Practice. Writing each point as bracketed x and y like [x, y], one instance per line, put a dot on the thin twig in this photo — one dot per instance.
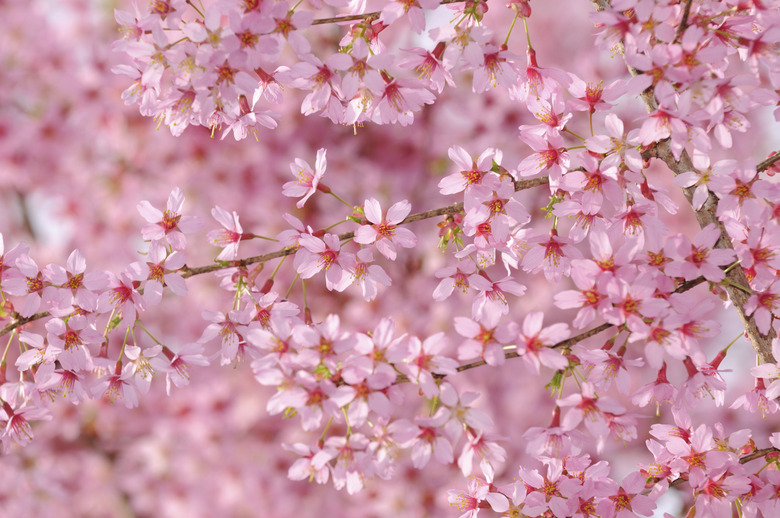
[684, 22]
[707, 215]
[187, 271]
[769, 162]
[364, 16]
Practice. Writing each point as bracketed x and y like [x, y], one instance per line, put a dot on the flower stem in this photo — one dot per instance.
[567, 130]
[139, 324]
[738, 286]
[287, 295]
[189, 2]
[506, 40]
[257, 236]
[342, 200]
[527, 34]
[7, 346]
[278, 265]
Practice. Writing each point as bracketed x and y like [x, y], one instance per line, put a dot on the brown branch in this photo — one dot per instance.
[365, 16]
[242, 263]
[443, 211]
[742, 460]
[757, 454]
[685, 286]
[19, 322]
[187, 272]
[762, 344]
[707, 215]
[769, 162]
[684, 22]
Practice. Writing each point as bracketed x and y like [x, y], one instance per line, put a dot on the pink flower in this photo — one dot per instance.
[552, 254]
[245, 120]
[162, 273]
[422, 359]
[176, 362]
[310, 466]
[140, 365]
[39, 351]
[323, 344]
[8, 260]
[486, 339]
[735, 186]
[539, 82]
[756, 401]
[384, 232]
[533, 343]
[478, 491]
[701, 176]
[82, 285]
[26, 280]
[551, 114]
[123, 293]
[555, 491]
[659, 391]
[17, 426]
[73, 337]
[618, 147]
[66, 383]
[664, 123]
[607, 367]
[414, 8]
[428, 439]
[322, 81]
[702, 259]
[697, 454]
[396, 100]
[472, 171]
[322, 399]
[169, 226]
[716, 490]
[118, 385]
[231, 329]
[453, 277]
[228, 237]
[550, 155]
[594, 411]
[628, 500]
[428, 65]
[484, 448]
[591, 97]
[368, 275]
[770, 371]
[307, 180]
[492, 295]
[496, 66]
[315, 255]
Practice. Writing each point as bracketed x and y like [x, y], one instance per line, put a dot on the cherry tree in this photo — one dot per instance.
[390, 257]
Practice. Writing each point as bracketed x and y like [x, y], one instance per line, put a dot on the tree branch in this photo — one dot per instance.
[684, 22]
[364, 16]
[707, 215]
[187, 272]
[769, 162]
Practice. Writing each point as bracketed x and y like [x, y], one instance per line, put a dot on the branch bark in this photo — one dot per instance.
[762, 344]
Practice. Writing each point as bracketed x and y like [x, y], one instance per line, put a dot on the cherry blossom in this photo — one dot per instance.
[228, 237]
[170, 225]
[384, 232]
[638, 219]
[307, 180]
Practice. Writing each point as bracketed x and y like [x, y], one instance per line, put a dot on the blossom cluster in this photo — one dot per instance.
[227, 64]
[584, 217]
